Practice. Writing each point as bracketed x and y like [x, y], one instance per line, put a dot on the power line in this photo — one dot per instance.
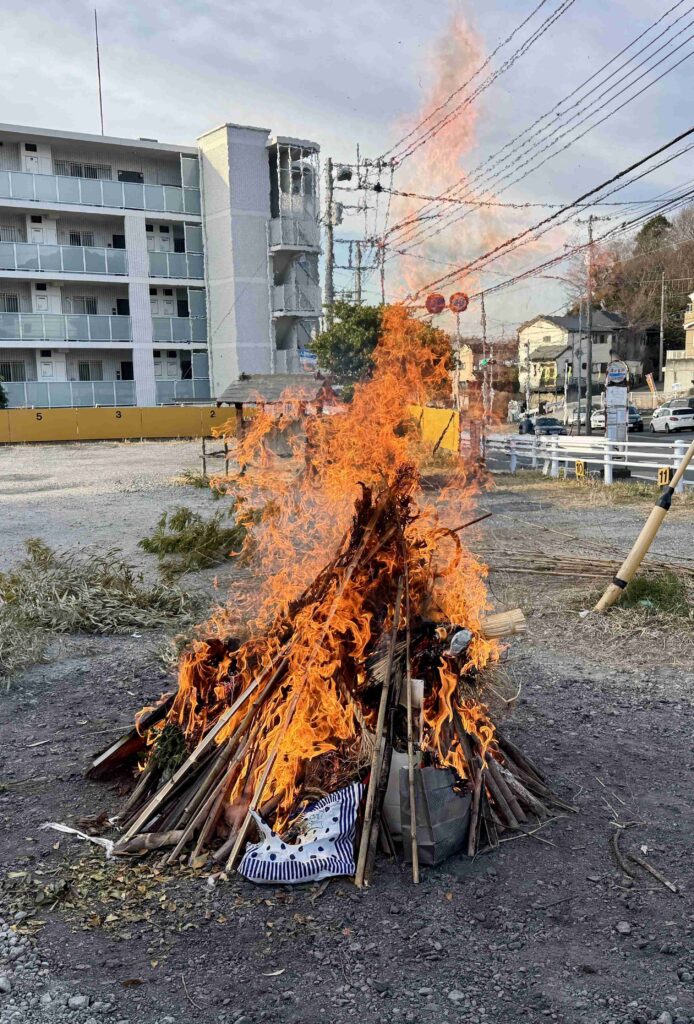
[506, 66]
[494, 160]
[571, 206]
[460, 88]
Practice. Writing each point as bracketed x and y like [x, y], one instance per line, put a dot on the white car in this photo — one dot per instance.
[670, 420]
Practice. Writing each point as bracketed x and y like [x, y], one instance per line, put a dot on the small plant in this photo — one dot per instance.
[194, 478]
[185, 541]
[666, 592]
[3, 397]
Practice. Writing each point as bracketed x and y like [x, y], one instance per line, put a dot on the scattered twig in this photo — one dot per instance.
[643, 863]
[614, 845]
[188, 995]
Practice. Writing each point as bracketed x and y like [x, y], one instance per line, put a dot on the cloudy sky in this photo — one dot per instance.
[353, 73]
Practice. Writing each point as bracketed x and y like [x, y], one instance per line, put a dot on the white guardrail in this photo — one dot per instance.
[581, 454]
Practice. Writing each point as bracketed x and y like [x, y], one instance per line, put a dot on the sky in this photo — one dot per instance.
[353, 74]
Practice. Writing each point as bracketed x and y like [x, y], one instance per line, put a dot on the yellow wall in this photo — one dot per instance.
[19, 425]
[433, 423]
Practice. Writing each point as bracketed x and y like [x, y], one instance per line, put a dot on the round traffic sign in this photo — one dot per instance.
[435, 303]
[458, 302]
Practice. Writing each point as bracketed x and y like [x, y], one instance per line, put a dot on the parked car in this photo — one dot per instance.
[670, 420]
[597, 419]
[549, 425]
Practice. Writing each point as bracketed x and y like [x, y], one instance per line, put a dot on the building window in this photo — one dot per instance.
[30, 147]
[13, 371]
[90, 369]
[72, 169]
[9, 303]
[83, 304]
[9, 233]
[81, 238]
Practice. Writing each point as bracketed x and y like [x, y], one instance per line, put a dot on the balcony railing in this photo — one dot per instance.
[296, 299]
[69, 394]
[171, 329]
[61, 327]
[123, 195]
[169, 391]
[62, 259]
[176, 264]
[294, 232]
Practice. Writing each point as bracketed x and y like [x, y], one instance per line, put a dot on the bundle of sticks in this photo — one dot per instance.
[547, 564]
[273, 723]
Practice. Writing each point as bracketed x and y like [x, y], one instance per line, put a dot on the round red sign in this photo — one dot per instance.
[458, 302]
[435, 303]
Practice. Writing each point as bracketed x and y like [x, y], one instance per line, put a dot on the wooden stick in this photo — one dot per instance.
[520, 758]
[614, 845]
[149, 841]
[501, 807]
[376, 757]
[475, 811]
[631, 563]
[202, 747]
[410, 729]
[508, 795]
[528, 798]
[643, 863]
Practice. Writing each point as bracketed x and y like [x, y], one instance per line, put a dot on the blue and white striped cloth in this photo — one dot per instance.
[326, 847]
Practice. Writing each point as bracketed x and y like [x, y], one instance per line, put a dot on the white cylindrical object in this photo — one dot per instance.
[608, 466]
[680, 452]
[514, 457]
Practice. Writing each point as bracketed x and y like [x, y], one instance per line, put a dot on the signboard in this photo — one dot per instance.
[458, 302]
[435, 303]
[617, 373]
[650, 382]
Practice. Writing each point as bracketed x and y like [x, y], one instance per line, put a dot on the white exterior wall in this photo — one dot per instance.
[236, 209]
[140, 310]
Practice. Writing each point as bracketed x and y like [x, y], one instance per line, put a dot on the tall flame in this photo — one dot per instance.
[317, 606]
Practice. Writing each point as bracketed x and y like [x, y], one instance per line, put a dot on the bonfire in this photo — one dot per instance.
[367, 631]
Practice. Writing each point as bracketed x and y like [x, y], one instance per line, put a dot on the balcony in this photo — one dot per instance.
[177, 264]
[296, 300]
[174, 329]
[170, 391]
[59, 328]
[62, 259]
[69, 394]
[122, 195]
[294, 233]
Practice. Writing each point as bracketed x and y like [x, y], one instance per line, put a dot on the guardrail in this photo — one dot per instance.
[553, 454]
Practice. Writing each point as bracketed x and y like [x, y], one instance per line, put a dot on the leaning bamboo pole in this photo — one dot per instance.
[631, 563]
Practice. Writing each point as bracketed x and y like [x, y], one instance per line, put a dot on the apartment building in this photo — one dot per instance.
[134, 272]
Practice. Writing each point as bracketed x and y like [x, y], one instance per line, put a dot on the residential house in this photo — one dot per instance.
[550, 347]
[135, 272]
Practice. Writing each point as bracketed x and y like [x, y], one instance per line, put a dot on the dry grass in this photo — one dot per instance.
[589, 492]
[76, 592]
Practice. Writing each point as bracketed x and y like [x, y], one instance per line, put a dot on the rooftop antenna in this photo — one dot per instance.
[98, 70]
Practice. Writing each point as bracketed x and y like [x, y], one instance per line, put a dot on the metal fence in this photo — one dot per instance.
[64, 259]
[69, 394]
[582, 455]
[124, 195]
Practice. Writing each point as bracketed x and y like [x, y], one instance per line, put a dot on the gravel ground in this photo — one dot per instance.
[545, 928]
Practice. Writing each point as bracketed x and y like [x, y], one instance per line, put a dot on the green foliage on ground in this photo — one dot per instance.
[185, 540]
[666, 592]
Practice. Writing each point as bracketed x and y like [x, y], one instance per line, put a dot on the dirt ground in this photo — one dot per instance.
[547, 927]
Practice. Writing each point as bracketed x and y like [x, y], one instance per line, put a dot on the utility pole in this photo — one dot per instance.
[578, 364]
[98, 70]
[383, 272]
[661, 353]
[329, 244]
[527, 377]
[589, 360]
[357, 273]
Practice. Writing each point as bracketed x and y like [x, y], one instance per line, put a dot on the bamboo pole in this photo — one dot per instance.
[376, 758]
[410, 730]
[630, 565]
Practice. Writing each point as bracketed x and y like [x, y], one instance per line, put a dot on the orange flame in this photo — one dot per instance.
[316, 601]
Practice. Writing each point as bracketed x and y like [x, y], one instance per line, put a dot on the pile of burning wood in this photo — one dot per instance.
[381, 649]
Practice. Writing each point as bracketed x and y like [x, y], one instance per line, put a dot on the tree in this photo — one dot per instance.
[344, 351]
